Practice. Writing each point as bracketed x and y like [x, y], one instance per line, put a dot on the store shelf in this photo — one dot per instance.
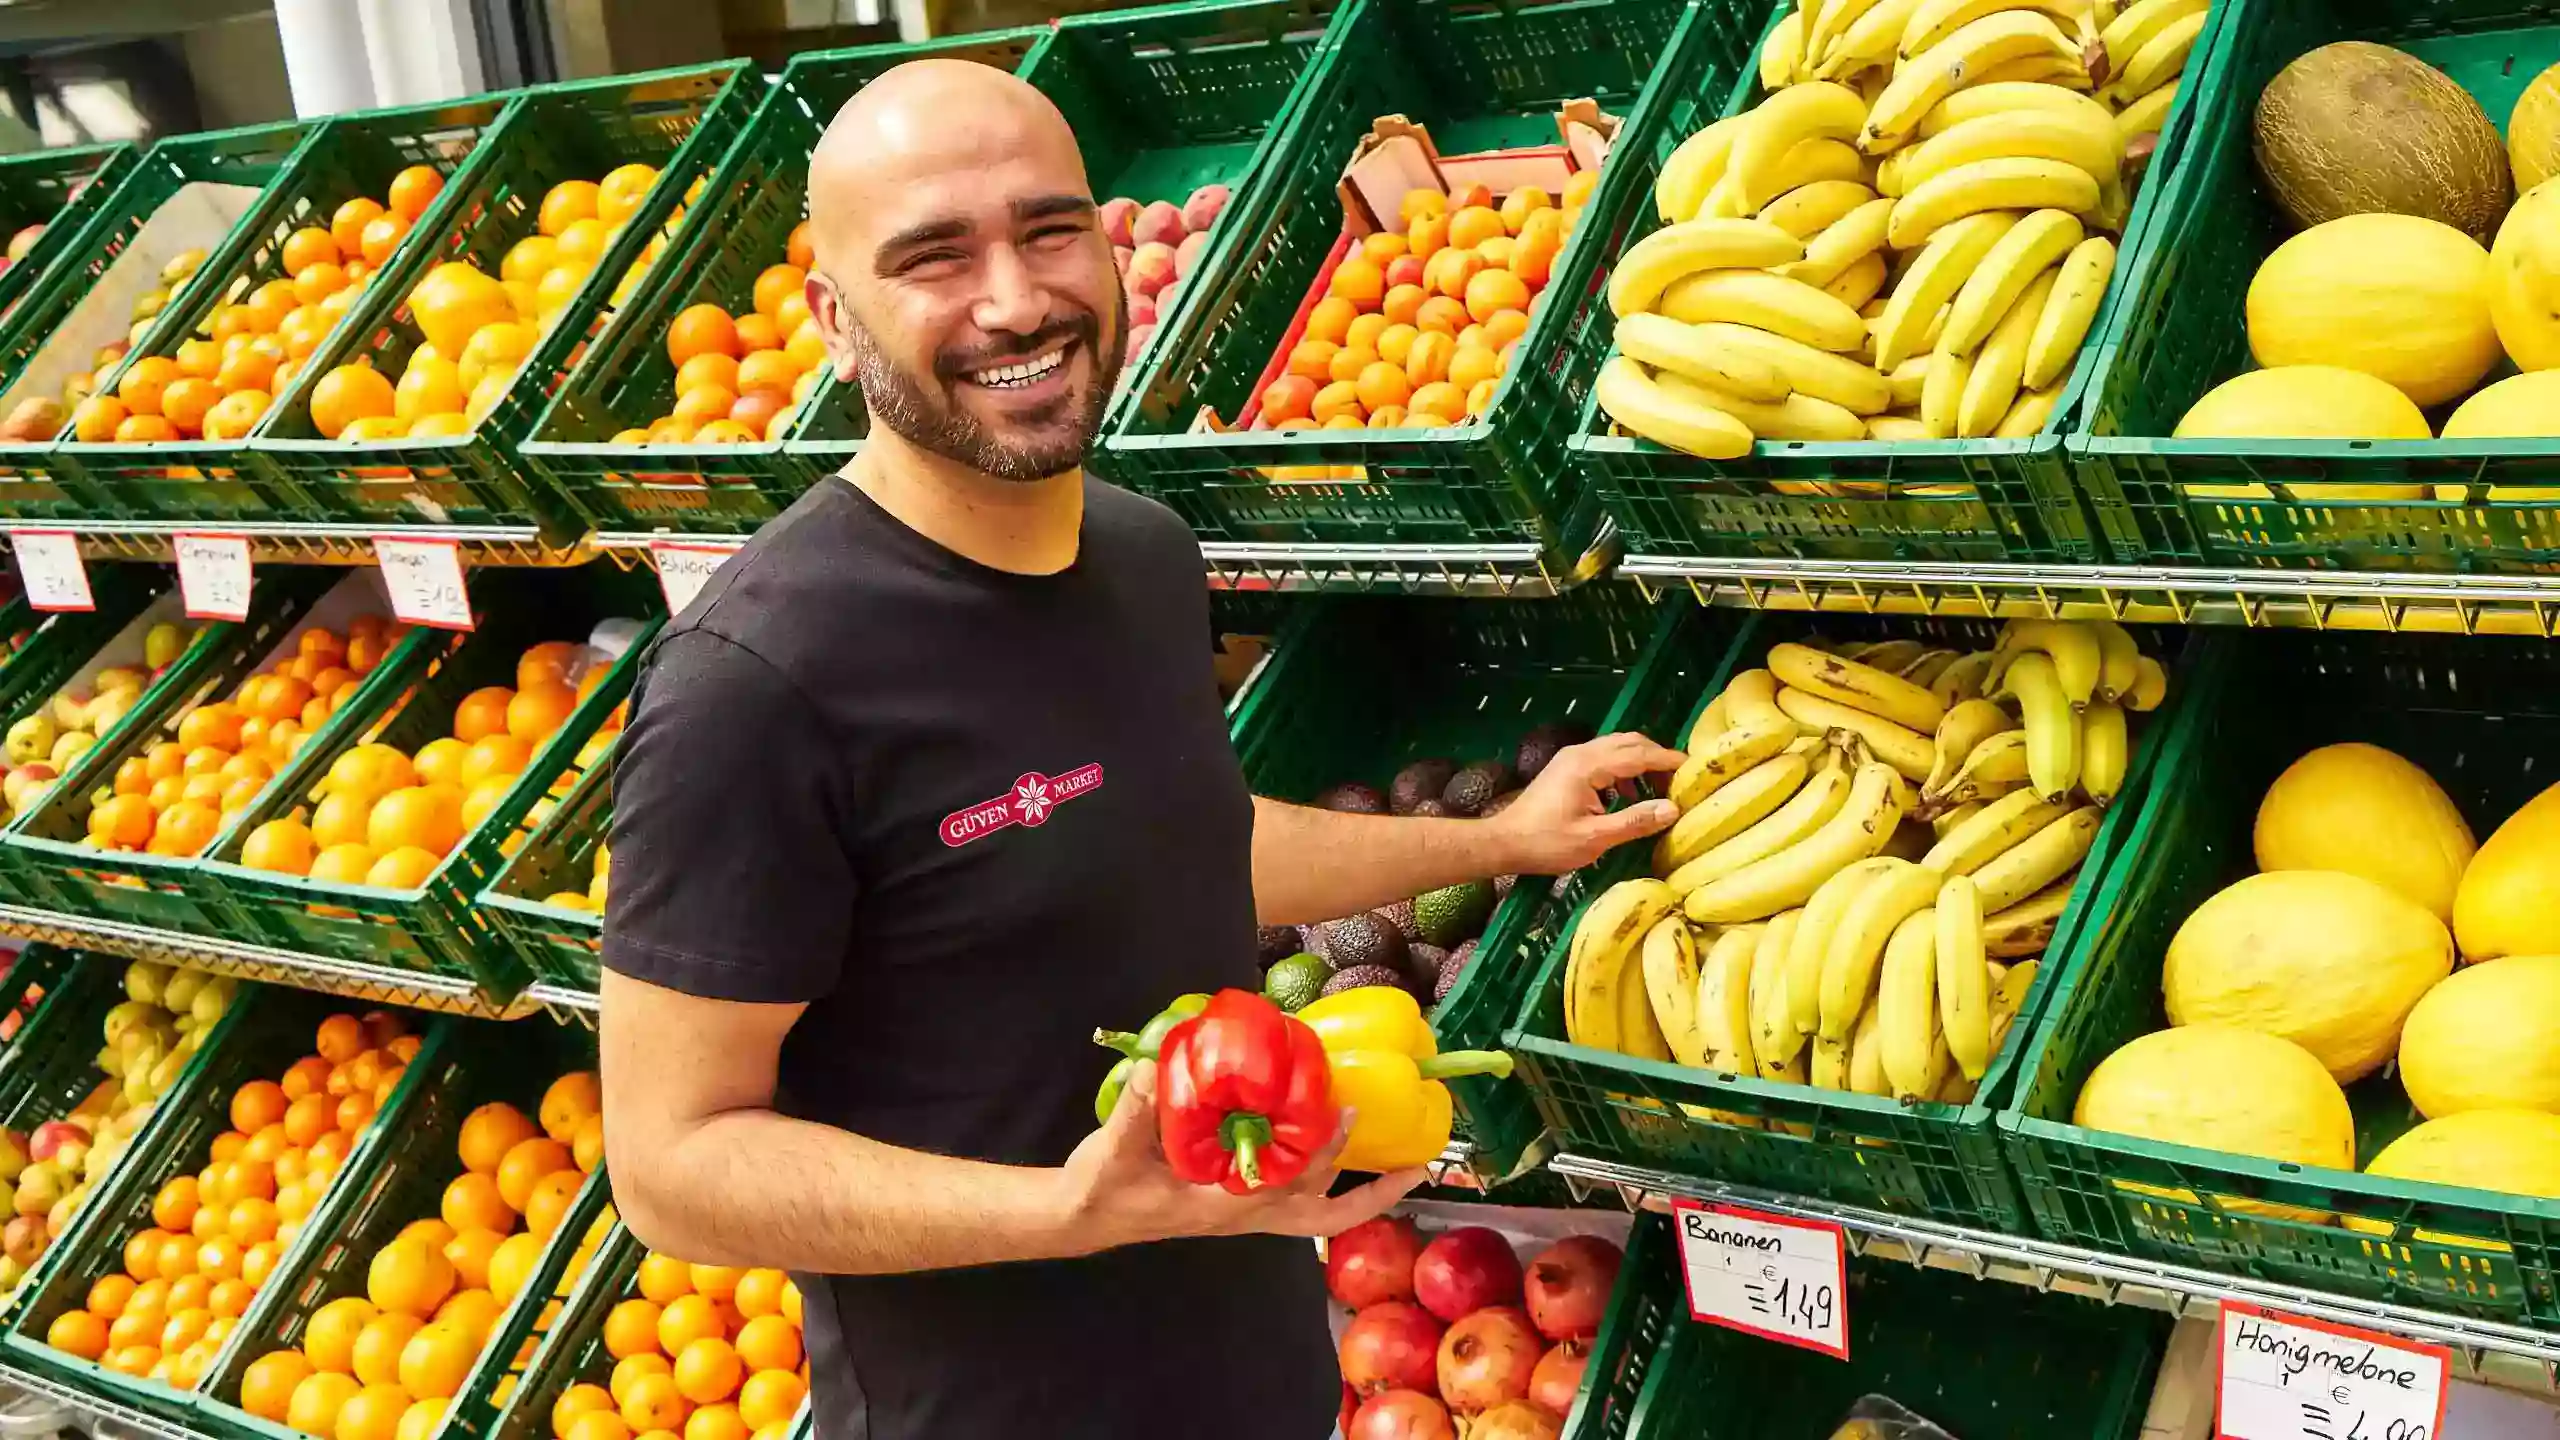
[101, 1416]
[569, 1007]
[1483, 571]
[315, 544]
[380, 984]
[2504, 1355]
[2264, 599]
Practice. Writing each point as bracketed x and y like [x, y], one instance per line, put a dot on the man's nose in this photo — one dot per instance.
[1013, 300]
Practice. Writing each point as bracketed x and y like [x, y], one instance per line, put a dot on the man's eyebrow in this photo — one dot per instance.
[924, 234]
[1041, 207]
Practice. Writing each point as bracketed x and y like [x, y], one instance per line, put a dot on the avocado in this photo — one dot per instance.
[1497, 804]
[1363, 940]
[1422, 966]
[1541, 744]
[1275, 943]
[1296, 981]
[1455, 966]
[1453, 912]
[1311, 940]
[1362, 976]
[1422, 780]
[1353, 798]
[1470, 788]
[1400, 915]
[1431, 810]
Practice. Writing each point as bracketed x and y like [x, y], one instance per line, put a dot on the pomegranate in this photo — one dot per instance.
[1518, 1420]
[1487, 1358]
[1400, 1415]
[1568, 1286]
[1466, 1270]
[1350, 1407]
[1558, 1377]
[1391, 1346]
[1372, 1262]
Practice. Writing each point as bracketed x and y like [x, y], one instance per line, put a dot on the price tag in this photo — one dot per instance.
[213, 576]
[684, 569]
[424, 578]
[2286, 1377]
[1767, 1275]
[49, 569]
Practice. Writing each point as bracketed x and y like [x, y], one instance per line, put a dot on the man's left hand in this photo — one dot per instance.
[1563, 822]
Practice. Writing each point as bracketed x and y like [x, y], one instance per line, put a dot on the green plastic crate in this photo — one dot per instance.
[37, 479]
[1983, 1360]
[1932, 1159]
[165, 892]
[739, 227]
[1463, 680]
[483, 1062]
[264, 1030]
[1941, 500]
[60, 190]
[2475, 713]
[558, 943]
[2178, 331]
[1481, 77]
[678, 120]
[434, 928]
[35, 977]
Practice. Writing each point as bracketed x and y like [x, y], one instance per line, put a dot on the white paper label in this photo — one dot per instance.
[49, 569]
[684, 569]
[425, 581]
[2285, 1377]
[213, 576]
[1768, 1275]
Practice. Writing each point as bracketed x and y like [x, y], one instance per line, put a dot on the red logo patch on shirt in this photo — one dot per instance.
[1031, 801]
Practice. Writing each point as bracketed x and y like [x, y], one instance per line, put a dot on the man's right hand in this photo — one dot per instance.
[1120, 1191]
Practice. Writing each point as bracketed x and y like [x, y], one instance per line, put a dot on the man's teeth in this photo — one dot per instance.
[1015, 376]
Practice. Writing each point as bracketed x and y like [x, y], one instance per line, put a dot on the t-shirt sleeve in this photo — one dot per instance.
[730, 877]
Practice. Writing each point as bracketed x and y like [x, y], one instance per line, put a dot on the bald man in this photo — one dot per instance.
[931, 780]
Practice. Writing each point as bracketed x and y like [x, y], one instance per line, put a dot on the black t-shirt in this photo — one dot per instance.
[967, 816]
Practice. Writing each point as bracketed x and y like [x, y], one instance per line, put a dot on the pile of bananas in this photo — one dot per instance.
[1902, 241]
[1873, 844]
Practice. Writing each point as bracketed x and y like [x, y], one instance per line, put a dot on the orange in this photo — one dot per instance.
[653, 1403]
[470, 1251]
[455, 300]
[405, 869]
[701, 330]
[769, 1342]
[174, 1256]
[622, 190]
[376, 1356]
[346, 225]
[775, 284]
[413, 190]
[587, 1145]
[770, 1397]
[1313, 359]
[184, 1328]
[340, 820]
[1358, 280]
[136, 1360]
[437, 1360]
[597, 1425]
[267, 1386]
[539, 709]
[512, 1264]
[186, 402]
[123, 821]
[634, 1368]
[217, 1258]
[425, 817]
[489, 1132]
[341, 1039]
[229, 1299]
[631, 1328]
[419, 1422]
[373, 1413]
[577, 1400]
[307, 247]
[409, 1276]
[567, 203]
[758, 335]
[708, 1371]
[715, 1282]
[482, 712]
[146, 430]
[251, 367]
[526, 1163]
[252, 1220]
[145, 381]
[343, 864]
[550, 660]
[715, 1422]
[439, 761]
[78, 1332]
[705, 403]
[431, 385]
[664, 1279]
[330, 1337]
[347, 394]
[801, 247]
[269, 304]
[174, 1208]
[94, 420]
[759, 1293]
[791, 1304]
[689, 1319]
[710, 368]
[1489, 291]
[807, 348]
[199, 358]
[471, 1202]
[1287, 398]
[549, 1204]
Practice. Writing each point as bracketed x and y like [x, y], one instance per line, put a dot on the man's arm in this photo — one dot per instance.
[703, 1166]
[1311, 865]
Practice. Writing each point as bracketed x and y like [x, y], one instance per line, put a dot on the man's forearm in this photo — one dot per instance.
[1311, 865]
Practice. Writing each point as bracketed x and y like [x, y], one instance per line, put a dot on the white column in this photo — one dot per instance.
[324, 56]
[420, 50]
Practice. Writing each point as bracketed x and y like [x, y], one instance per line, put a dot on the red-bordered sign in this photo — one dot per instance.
[50, 570]
[2290, 1377]
[214, 577]
[424, 580]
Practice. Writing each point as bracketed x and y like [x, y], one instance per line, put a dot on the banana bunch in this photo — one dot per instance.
[1874, 843]
[1907, 239]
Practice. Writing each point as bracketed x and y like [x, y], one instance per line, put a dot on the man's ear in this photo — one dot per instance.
[835, 323]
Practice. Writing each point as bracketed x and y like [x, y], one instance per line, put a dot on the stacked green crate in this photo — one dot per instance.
[2478, 715]
[677, 120]
[1931, 1158]
[1942, 500]
[484, 1063]
[54, 193]
[1481, 78]
[38, 480]
[31, 977]
[739, 226]
[545, 901]
[412, 699]
[2180, 330]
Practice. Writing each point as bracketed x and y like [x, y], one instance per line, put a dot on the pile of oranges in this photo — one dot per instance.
[223, 379]
[481, 328]
[217, 1235]
[386, 1364]
[700, 1352]
[172, 799]
[742, 378]
[388, 819]
[1418, 325]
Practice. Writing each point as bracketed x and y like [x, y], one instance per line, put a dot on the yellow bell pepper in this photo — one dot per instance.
[1387, 1067]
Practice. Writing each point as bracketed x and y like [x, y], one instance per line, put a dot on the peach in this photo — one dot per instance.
[1186, 255]
[1117, 215]
[1159, 222]
[1120, 257]
[1142, 310]
[1404, 270]
[1201, 210]
[1150, 269]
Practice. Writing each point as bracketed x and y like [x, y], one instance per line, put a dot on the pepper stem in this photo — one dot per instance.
[1245, 1135]
[1466, 1062]
[1124, 1041]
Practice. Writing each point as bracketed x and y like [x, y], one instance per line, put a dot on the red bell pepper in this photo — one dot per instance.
[1243, 1098]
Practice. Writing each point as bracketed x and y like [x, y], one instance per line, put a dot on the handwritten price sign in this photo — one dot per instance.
[1767, 1275]
[424, 578]
[684, 569]
[2285, 1377]
[213, 576]
[49, 569]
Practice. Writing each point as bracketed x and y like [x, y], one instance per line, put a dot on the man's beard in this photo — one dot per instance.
[924, 415]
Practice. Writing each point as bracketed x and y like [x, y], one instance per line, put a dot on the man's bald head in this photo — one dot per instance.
[961, 276]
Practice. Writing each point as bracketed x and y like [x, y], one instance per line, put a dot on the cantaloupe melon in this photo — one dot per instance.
[2524, 280]
[2509, 900]
[2533, 131]
[2219, 1087]
[2488, 1038]
[2305, 402]
[2402, 299]
[2356, 128]
[2368, 812]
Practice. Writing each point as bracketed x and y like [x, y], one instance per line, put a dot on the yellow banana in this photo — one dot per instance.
[1996, 767]
[1793, 1070]
[2137, 25]
[1782, 52]
[1836, 18]
[1798, 417]
[1897, 428]
[1920, 82]
[1869, 42]
[1857, 684]
[2026, 927]
[1653, 263]
[2072, 646]
[1935, 20]
[2029, 415]
[1712, 721]
[1830, 1068]
[1808, 210]
[2063, 70]
[1774, 1036]
[2119, 659]
[1824, 911]
[1860, 828]
[2150, 686]
[2161, 59]
[1735, 807]
[1962, 679]
[1639, 1034]
[1987, 185]
[1932, 280]
[2038, 861]
[2031, 247]
[2074, 137]
[1693, 169]
[1769, 301]
[1991, 386]
[2064, 322]
[2009, 1000]
[1844, 243]
[1806, 812]
[2104, 751]
[1856, 286]
[1724, 999]
[1866, 1056]
[1672, 347]
[1837, 378]
[1889, 182]
[1644, 409]
[2000, 825]
[2146, 116]
[1909, 379]
[2053, 730]
[1670, 964]
[1907, 1007]
[1756, 730]
[1888, 655]
[1942, 391]
[1615, 920]
[1967, 724]
[1999, 97]
[1947, 822]
[1858, 942]
[1818, 110]
[1907, 750]
[1964, 977]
